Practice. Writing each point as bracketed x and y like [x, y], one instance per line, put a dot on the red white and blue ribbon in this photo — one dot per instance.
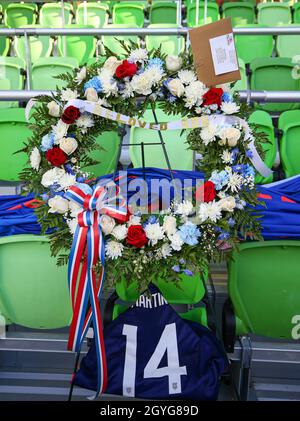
[88, 250]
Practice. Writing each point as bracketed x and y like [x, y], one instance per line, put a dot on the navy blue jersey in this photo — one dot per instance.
[152, 353]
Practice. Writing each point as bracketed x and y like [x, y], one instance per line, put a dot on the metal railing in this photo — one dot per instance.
[245, 96]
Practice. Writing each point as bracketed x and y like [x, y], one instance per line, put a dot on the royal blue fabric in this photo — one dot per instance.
[198, 350]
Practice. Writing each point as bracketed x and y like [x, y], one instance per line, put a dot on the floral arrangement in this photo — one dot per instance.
[181, 239]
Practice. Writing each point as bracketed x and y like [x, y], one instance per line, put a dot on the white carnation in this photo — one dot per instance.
[173, 63]
[226, 157]
[67, 94]
[154, 232]
[187, 76]
[194, 94]
[176, 87]
[230, 107]
[107, 224]
[59, 130]
[113, 249]
[81, 75]
[155, 74]
[176, 241]
[35, 159]
[128, 91]
[210, 211]
[72, 225]
[84, 122]
[227, 204]
[166, 250]
[120, 232]
[134, 220]
[58, 176]
[208, 134]
[140, 55]
[169, 224]
[67, 180]
[142, 84]
[184, 208]
[231, 135]
[235, 182]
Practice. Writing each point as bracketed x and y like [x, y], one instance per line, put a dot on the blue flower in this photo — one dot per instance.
[249, 154]
[231, 222]
[226, 97]
[47, 142]
[220, 179]
[54, 189]
[45, 197]
[80, 179]
[95, 83]
[151, 220]
[69, 169]
[189, 233]
[234, 153]
[245, 170]
[224, 236]
[182, 261]
[176, 269]
[171, 98]
[188, 272]
[157, 62]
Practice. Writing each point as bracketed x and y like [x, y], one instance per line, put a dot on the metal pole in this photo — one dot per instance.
[179, 12]
[63, 25]
[28, 62]
[85, 12]
[197, 12]
[205, 11]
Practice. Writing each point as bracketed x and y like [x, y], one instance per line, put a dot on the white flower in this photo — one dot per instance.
[169, 224]
[134, 220]
[59, 176]
[109, 87]
[226, 157]
[139, 55]
[111, 64]
[225, 87]
[211, 211]
[230, 107]
[187, 76]
[91, 95]
[120, 232]
[81, 75]
[67, 94]
[113, 249]
[176, 241]
[67, 180]
[184, 208]
[107, 224]
[154, 232]
[59, 130]
[194, 94]
[173, 63]
[72, 224]
[227, 204]
[166, 250]
[84, 122]
[128, 91]
[68, 145]
[58, 204]
[155, 74]
[75, 209]
[142, 84]
[231, 135]
[235, 182]
[53, 109]
[35, 159]
[208, 134]
[176, 87]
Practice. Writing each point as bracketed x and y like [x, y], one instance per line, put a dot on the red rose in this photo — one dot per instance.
[56, 156]
[213, 96]
[136, 236]
[70, 114]
[206, 192]
[126, 69]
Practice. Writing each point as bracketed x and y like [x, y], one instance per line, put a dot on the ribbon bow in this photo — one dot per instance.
[86, 251]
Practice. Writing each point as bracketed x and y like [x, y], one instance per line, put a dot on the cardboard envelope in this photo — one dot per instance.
[210, 57]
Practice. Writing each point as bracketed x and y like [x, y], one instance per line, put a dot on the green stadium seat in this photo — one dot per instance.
[181, 158]
[33, 290]
[289, 123]
[51, 15]
[263, 285]
[288, 45]
[264, 122]
[40, 46]
[96, 14]
[241, 13]
[4, 44]
[44, 71]
[273, 14]
[11, 70]
[19, 14]
[170, 44]
[163, 12]
[241, 84]
[212, 14]
[112, 42]
[107, 156]
[296, 14]
[78, 46]
[128, 13]
[250, 47]
[13, 132]
[273, 74]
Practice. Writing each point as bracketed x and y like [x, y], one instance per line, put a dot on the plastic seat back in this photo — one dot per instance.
[11, 69]
[40, 46]
[273, 14]
[264, 122]
[112, 42]
[181, 158]
[44, 71]
[18, 14]
[13, 132]
[163, 12]
[288, 45]
[95, 14]
[273, 74]
[212, 14]
[263, 283]
[81, 48]
[128, 13]
[242, 83]
[52, 15]
[241, 13]
[33, 290]
[250, 47]
[289, 123]
[170, 44]
[4, 44]
[296, 15]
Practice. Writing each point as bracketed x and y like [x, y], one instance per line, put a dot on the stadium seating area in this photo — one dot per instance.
[266, 62]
